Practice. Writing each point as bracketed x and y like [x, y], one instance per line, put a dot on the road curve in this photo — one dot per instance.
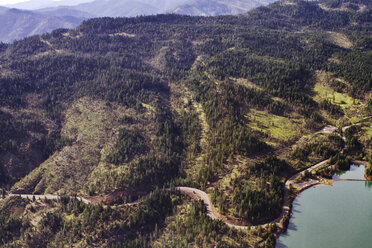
[196, 193]
[199, 194]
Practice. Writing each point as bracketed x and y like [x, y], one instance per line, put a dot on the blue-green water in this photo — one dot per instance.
[338, 216]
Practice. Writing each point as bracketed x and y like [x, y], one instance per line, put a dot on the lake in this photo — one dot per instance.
[338, 216]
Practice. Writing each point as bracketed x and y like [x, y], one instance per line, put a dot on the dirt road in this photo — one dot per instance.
[199, 194]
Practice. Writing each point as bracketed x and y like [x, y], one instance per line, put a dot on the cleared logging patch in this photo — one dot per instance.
[278, 127]
[353, 108]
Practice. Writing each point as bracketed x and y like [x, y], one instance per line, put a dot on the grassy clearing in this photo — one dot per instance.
[123, 34]
[353, 108]
[323, 92]
[339, 39]
[246, 83]
[69, 217]
[278, 127]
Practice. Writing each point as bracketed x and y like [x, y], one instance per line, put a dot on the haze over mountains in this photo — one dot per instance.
[131, 8]
[39, 4]
[38, 17]
[17, 24]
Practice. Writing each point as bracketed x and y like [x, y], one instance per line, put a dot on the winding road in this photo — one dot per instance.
[211, 212]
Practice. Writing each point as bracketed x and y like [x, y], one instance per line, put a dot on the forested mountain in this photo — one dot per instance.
[128, 8]
[116, 8]
[17, 24]
[49, 15]
[217, 7]
[119, 108]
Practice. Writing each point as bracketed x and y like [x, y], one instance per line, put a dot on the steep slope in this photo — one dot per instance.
[232, 105]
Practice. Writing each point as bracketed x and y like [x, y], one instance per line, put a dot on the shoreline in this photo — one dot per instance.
[327, 182]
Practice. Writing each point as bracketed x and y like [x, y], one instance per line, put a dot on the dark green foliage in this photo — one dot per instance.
[369, 106]
[285, 80]
[270, 166]
[51, 221]
[198, 226]
[3, 177]
[179, 58]
[351, 131]
[55, 143]
[153, 209]
[151, 171]
[301, 153]
[322, 148]
[369, 172]
[334, 110]
[225, 116]
[158, 168]
[341, 161]
[355, 68]
[336, 141]
[353, 145]
[338, 3]
[10, 129]
[277, 48]
[15, 131]
[270, 241]
[259, 206]
[191, 131]
[27, 46]
[11, 226]
[126, 119]
[263, 203]
[129, 144]
[93, 224]
[338, 86]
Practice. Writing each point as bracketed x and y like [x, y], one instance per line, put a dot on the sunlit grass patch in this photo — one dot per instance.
[353, 108]
[324, 92]
[278, 127]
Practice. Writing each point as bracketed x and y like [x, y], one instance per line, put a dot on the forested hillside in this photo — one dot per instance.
[37, 17]
[233, 105]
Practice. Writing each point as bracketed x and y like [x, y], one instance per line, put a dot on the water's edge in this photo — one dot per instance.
[329, 198]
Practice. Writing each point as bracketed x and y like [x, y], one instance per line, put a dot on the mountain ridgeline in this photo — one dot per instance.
[45, 16]
[121, 107]
[18, 24]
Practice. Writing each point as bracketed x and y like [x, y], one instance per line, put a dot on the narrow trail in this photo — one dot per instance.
[212, 213]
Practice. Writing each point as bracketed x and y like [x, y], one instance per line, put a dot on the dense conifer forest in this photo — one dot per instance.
[120, 108]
